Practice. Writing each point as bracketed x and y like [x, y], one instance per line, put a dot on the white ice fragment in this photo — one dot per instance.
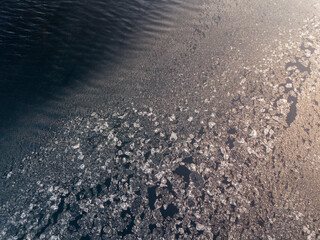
[253, 133]
[200, 227]
[54, 207]
[243, 81]
[81, 156]
[159, 175]
[76, 146]
[211, 124]
[289, 85]
[311, 236]
[124, 198]
[173, 136]
[268, 149]
[30, 206]
[123, 116]
[271, 132]
[79, 183]
[50, 189]
[136, 125]
[172, 118]
[306, 229]
[9, 174]
[130, 135]
[250, 151]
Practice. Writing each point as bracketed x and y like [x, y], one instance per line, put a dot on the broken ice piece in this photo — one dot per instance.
[76, 146]
[173, 136]
[253, 133]
[211, 124]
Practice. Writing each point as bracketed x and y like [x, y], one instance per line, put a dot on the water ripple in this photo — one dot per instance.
[48, 44]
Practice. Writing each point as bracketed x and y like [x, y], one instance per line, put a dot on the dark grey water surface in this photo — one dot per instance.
[50, 47]
[47, 45]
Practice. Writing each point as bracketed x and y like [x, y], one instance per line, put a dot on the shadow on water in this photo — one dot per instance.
[46, 46]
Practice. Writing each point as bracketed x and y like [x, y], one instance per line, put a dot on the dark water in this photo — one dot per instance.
[48, 45]
[57, 60]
